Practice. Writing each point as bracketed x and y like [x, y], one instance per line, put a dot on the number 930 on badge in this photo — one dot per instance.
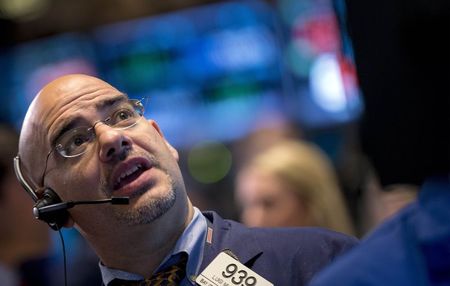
[224, 270]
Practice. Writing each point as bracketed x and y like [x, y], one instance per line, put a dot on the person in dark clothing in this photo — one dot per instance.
[402, 59]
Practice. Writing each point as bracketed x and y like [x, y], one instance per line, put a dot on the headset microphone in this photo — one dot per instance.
[50, 208]
[42, 211]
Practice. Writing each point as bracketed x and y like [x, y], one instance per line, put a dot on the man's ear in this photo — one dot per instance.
[69, 222]
[171, 148]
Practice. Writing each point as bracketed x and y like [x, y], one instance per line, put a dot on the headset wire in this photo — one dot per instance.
[64, 256]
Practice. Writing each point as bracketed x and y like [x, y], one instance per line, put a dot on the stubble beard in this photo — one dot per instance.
[152, 209]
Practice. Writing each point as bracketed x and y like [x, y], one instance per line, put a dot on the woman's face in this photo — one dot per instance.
[267, 201]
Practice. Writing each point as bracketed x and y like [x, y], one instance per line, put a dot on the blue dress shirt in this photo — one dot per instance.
[192, 241]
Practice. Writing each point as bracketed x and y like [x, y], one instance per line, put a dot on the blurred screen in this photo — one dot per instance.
[208, 73]
[212, 72]
[31, 65]
[319, 58]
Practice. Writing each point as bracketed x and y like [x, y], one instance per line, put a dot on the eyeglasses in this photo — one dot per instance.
[75, 142]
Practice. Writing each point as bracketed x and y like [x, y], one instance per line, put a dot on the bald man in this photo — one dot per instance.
[82, 139]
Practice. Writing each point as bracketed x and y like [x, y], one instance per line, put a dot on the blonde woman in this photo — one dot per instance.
[291, 184]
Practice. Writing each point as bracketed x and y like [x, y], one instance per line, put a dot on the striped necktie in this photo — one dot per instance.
[169, 276]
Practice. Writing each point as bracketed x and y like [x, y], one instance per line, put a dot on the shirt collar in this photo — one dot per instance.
[192, 241]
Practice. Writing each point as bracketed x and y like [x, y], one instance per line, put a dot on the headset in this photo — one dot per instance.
[50, 208]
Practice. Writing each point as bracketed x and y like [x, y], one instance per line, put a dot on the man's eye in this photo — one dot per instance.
[124, 115]
[79, 140]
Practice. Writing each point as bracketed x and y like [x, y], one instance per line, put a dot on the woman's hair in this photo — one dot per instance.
[309, 172]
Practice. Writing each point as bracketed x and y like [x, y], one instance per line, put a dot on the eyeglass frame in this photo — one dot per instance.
[90, 131]
[138, 107]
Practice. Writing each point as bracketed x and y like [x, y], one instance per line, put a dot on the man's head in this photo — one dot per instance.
[85, 140]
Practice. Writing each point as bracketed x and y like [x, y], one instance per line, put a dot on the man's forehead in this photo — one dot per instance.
[71, 86]
[61, 94]
[63, 99]
[46, 106]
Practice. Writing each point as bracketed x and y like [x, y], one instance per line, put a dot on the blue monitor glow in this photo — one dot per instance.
[33, 64]
[208, 73]
[220, 71]
[320, 62]
[212, 72]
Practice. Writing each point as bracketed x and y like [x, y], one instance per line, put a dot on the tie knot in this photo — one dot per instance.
[171, 275]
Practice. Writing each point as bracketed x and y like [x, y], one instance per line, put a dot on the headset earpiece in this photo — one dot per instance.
[54, 218]
[49, 207]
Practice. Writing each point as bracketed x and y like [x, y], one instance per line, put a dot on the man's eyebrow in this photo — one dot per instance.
[71, 123]
[111, 101]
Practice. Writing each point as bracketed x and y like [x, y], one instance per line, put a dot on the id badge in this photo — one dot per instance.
[224, 270]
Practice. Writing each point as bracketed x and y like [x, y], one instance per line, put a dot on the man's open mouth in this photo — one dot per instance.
[129, 172]
[128, 176]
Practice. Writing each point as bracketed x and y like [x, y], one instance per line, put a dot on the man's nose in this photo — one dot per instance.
[112, 142]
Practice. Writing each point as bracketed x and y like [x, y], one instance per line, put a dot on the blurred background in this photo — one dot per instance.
[224, 79]
[212, 73]
[227, 81]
